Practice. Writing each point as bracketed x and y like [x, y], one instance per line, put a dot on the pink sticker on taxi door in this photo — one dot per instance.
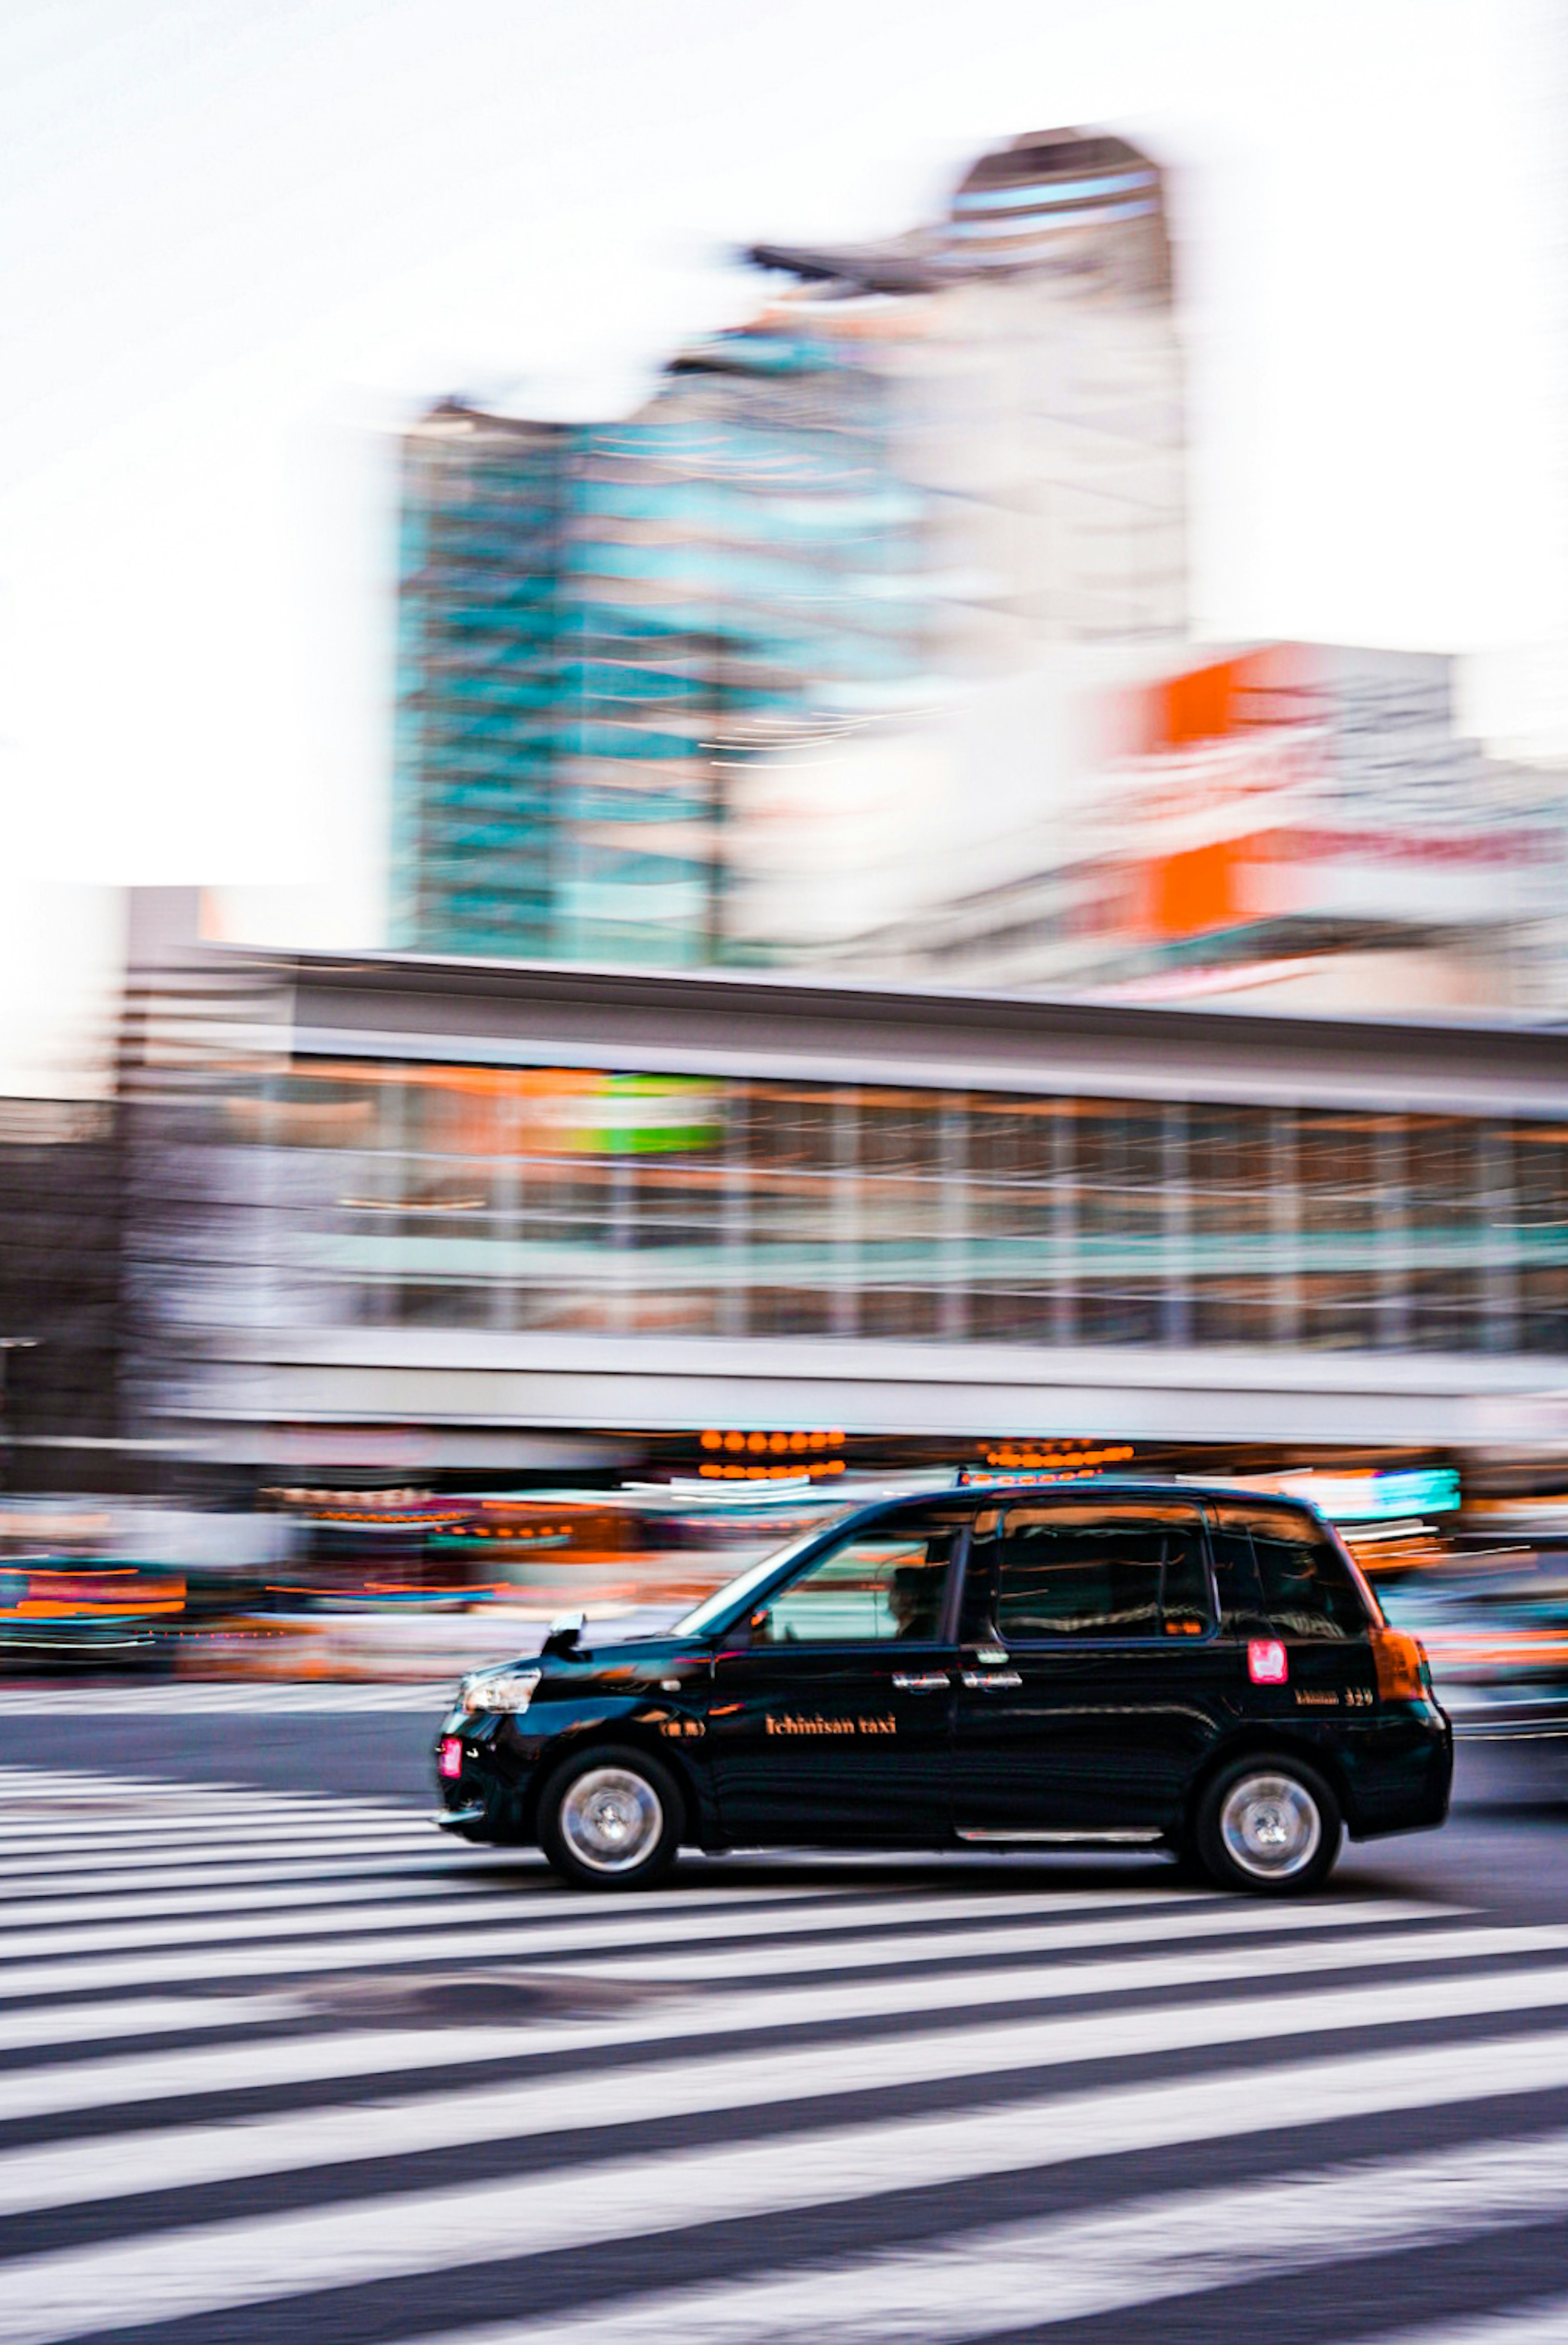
[1267, 1662]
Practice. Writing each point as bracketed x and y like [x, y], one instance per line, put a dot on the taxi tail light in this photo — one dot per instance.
[449, 1761]
[1401, 1666]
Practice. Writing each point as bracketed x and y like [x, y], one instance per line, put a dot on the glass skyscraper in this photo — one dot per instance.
[919, 463]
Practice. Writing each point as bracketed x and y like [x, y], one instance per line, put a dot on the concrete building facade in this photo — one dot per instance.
[499, 1202]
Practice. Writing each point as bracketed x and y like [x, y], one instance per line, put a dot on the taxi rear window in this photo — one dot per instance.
[1280, 1570]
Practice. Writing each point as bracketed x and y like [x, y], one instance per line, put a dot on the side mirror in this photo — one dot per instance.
[565, 1633]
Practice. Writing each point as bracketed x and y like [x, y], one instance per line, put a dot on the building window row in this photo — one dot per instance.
[583, 1201]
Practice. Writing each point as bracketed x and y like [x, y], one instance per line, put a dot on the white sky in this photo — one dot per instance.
[240, 241]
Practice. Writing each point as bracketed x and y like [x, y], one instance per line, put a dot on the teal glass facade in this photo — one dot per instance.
[602, 626]
[921, 465]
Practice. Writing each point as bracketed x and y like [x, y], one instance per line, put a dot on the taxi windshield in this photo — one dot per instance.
[724, 1600]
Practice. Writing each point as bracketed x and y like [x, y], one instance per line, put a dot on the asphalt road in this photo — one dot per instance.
[1505, 1846]
[277, 2062]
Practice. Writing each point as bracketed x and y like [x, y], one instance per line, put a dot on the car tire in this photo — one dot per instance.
[611, 1818]
[1269, 1825]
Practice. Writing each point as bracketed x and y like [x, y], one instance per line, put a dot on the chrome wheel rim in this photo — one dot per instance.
[610, 1819]
[1270, 1826]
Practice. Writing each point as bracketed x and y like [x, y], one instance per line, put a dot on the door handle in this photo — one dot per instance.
[928, 1681]
[992, 1678]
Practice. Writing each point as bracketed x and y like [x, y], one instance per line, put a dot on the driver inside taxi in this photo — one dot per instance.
[912, 1596]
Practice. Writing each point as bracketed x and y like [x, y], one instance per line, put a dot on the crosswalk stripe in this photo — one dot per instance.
[457, 1879]
[87, 1974]
[138, 2080]
[30, 1946]
[45, 1782]
[93, 1786]
[218, 1844]
[183, 2158]
[227, 2070]
[131, 1816]
[34, 2026]
[1531, 2324]
[1145, 2250]
[193, 1921]
[209, 2268]
[232, 2118]
[430, 1698]
[307, 1831]
[199, 1950]
[1241, 1916]
[66, 1876]
[271, 1897]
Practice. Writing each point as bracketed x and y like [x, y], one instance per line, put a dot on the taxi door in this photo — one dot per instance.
[830, 1714]
[1089, 1685]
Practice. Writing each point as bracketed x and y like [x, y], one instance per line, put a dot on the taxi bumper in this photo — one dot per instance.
[1399, 1771]
[485, 1771]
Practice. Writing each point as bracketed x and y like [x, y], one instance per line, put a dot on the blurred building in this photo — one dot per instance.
[925, 462]
[415, 1215]
[1301, 821]
[62, 1205]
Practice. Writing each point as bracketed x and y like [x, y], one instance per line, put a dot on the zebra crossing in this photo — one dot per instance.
[277, 2064]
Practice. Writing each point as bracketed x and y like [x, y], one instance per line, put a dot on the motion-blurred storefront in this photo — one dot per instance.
[431, 1217]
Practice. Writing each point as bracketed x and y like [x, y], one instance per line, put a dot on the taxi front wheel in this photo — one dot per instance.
[611, 1819]
[1268, 1824]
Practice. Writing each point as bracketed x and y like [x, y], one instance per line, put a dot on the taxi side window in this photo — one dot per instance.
[1282, 1573]
[1236, 1583]
[883, 1585]
[1048, 1574]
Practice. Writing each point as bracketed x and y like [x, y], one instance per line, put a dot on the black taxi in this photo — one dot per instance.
[1062, 1666]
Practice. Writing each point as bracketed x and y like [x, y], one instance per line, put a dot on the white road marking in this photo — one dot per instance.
[49, 1786]
[207, 2268]
[1545, 2322]
[83, 2171]
[464, 1903]
[66, 1876]
[281, 1898]
[143, 2077]
[197, 1699]
[176, 1836]
[72, 1970]
[1144, 2251]
[91, 2022]
[1238, 1916]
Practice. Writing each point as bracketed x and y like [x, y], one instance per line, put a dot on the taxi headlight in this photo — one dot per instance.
[510, 1690]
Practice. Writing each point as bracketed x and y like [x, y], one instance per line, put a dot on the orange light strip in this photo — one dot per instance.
[813, 1472]
[1010, 1455]
[40, 1609]
[779, 1444]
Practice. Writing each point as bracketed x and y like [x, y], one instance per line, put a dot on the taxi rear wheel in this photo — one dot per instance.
[1269, 1825]
[611, 1818]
